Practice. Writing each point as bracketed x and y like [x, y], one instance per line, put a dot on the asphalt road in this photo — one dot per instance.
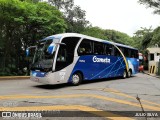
[104, 98]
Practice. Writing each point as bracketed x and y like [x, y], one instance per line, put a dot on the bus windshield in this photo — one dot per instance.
[43, 60]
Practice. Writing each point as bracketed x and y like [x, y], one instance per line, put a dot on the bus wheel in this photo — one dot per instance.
[129, 73]
[76, 78]
[124, 74]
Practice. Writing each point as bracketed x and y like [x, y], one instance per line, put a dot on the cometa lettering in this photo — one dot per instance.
[103, 60]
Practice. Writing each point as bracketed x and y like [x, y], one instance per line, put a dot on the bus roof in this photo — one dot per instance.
[87, 37]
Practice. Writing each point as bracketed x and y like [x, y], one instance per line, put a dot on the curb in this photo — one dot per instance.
[14, 77]
[151, 75]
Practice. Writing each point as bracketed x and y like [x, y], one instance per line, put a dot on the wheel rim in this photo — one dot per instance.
[129, 73]
[124, 74]
[75, 79]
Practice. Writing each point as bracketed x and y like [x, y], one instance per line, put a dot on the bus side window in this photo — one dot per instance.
[122, 50]
[85, 47]
[126, 52]
[62, 55]
[132, 54]
[108, 49]
[116, 51]
[136, 54]
[65, 54]
[98, 48]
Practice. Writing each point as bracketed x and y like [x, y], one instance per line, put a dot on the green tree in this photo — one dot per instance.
[110, 35]
[152, 37]
[62, 4]
[155, 4]
[73, 15]
[22, 24]
[142, 38]
[119, 37]
[95, 32]
[155, 37]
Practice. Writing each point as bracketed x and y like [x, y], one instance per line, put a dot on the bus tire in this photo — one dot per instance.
[124, 74]
[129, 73]
[76, 79]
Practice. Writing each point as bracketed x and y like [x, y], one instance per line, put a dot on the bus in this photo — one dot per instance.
[73, 58]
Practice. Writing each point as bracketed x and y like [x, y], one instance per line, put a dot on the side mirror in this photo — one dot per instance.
[51, 48]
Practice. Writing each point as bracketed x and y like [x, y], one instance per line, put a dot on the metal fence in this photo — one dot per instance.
[12, 66]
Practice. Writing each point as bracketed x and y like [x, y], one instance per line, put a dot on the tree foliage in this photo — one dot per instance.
[110, 35]
[119, 37]
[155, 4]
[144, 38]
[155, 37]
[73, 15]
[22, 23]
[95, 32]
[151, 38]
[62, 4]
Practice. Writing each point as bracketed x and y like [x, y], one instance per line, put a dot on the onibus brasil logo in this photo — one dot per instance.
[21, 115]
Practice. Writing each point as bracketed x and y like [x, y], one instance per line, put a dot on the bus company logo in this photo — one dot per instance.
[6, 115]
[103, 60]
[21, 115]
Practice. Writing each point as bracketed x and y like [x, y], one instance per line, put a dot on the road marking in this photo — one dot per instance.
[83, 95]
[68, 107]
[114, 91]
[126, 102]
[37, 97]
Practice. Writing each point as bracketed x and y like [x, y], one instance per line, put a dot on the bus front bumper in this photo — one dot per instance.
[43, 80]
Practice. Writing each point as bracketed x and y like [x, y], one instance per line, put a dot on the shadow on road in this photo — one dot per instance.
[105, 79]
[59, 86]
[47, 86]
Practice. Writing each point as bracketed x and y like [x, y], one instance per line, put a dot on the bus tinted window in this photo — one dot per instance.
[66, 52]
[116, 51]
[85, 47]
[122, 50]
[126, 52]
[134, 53]
[98, 48]
[108, 49]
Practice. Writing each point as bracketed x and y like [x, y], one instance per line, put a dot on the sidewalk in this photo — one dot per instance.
[13, 77]
[153, 75]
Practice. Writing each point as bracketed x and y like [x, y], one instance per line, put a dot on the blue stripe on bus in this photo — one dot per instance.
[92, 70]
[112, 68]
[105, 69]
[119, 67]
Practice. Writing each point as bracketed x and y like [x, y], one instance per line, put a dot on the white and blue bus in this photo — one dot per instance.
[72, 58]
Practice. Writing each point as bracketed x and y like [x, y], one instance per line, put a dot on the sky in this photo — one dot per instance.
[126, 16]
